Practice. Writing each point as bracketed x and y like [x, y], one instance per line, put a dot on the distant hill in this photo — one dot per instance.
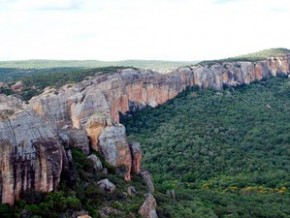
[252, 57]
[41, 64]
[15, 70]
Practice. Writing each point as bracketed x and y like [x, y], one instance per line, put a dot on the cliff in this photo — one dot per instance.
[128, 90]
[31, 156]
[34, 137]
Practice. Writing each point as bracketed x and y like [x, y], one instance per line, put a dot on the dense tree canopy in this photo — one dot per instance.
[225, 154]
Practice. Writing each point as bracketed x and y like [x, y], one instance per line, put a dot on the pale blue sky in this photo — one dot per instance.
[140, 29]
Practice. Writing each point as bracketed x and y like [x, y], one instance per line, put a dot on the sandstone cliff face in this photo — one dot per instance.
[87, 113]
[129, 89]
[30, 155]
[94, 105]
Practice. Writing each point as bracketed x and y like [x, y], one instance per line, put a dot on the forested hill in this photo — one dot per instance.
[11, 70]
[252, 57]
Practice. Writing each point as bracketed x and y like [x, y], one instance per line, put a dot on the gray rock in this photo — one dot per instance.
[106, 185]
[98, 166]
[148, 208]
[147, 178]
[115, 149]
[131, 190]
[77, 139]
[108, 212]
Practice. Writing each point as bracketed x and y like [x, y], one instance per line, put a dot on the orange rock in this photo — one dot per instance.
[136, 154]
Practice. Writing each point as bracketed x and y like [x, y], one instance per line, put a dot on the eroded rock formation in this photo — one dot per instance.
[30, 155]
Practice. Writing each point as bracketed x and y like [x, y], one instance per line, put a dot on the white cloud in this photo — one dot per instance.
[140, 29]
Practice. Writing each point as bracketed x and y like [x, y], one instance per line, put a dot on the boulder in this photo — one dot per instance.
[106, 185]
[131, 190]
[108, 212]
[97, 163]
[148, 208]
[81, 214]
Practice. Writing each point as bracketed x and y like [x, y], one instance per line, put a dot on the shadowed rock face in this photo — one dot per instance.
[30, 155]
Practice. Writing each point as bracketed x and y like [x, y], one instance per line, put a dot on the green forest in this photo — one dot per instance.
[219, 153]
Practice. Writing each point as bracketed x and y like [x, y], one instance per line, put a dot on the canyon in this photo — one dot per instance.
[35, 138]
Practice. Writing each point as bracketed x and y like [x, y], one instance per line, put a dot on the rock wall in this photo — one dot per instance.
[30, 155]
[129, 89]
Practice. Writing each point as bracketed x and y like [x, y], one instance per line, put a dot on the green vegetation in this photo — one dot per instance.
[224, 154]
[35, 83]
[86, 64]
[79, 191]
[252, 57]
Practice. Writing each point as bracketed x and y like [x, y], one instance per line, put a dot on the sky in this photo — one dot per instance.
[140, 29]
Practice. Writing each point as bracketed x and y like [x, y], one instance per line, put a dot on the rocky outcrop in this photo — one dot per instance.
[97, 163]
[136, 154]
[80, 214]
[147, 178]
[106, 185]
[148, 208]
[115, 149]
[131, 190]
[107, 212]
[17, 87]
[30, 155]
[95, 126]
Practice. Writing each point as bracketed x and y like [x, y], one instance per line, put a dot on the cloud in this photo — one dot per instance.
[40, 5]
[140, 29]
[224, 1]
[61, 5]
